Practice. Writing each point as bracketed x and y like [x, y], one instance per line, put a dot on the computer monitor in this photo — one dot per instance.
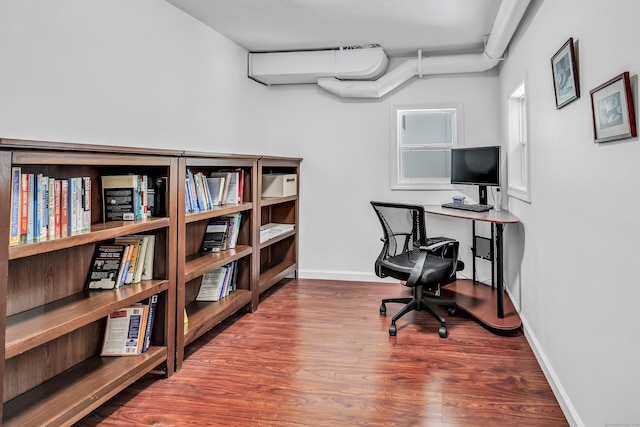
[476, 166]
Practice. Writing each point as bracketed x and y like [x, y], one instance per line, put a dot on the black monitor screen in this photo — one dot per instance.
[475, 165]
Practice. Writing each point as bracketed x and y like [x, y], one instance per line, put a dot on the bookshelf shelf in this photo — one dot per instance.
[193, 263]
[277, 238]
[99, 232]
[66, 398]
[53, 329]
[278, 256]
[269, 201]
[198, 264]
[39, 325]
[219, 211]
[205, 315]
[273, 275]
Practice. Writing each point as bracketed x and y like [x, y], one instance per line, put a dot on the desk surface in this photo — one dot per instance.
[496, 217]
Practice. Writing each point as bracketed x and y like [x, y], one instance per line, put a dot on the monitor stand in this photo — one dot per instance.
[482, 191]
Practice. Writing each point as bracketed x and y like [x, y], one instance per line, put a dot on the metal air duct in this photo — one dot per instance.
[507, 20]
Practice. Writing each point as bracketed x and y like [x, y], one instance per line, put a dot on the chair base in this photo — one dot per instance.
[419, 302]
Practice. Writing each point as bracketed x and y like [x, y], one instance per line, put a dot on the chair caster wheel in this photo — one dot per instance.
[442, 332]
[392, 330]
[383, 309]
[452, 311]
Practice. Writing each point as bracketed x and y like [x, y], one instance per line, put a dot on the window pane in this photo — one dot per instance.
[426, 128]
[426, 164]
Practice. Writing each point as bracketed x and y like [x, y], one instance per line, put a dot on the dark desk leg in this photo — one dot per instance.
[473, 251]
[499, 272]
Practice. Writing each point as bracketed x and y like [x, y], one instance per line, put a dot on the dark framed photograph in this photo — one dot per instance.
[613, 114]
[565, 75]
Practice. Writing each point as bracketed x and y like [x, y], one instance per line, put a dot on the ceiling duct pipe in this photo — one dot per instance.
[506, 22]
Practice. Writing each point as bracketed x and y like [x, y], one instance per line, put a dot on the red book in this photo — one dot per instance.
[57, 188]
[64, 208]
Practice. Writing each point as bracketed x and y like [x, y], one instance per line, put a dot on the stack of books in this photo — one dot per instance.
[125, 261]
[222, 233]
[45, 208]
[128, 331]
[218, 284]
[219, 188]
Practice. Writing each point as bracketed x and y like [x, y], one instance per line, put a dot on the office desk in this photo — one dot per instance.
[499, 219]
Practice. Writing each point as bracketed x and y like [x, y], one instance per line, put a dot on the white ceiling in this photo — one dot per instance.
[400, 27]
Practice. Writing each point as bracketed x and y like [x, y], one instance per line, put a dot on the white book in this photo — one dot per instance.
[216, 187]
[125, 331]
[276, 229]
[212, 284]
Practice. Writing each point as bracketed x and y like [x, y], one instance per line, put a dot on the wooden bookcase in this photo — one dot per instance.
[53, 330]
[193, 264]
[278, 256]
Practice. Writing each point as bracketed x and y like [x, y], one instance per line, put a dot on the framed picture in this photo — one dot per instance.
[613, 114]
[565, 75]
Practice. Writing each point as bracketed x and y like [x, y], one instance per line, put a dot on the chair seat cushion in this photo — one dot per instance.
[437, 269]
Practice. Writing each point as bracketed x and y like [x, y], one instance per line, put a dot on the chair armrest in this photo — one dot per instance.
[424, 249]
[416, 271]
[437, 245]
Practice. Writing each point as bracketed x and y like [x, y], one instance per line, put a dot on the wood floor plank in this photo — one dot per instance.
[318, 353]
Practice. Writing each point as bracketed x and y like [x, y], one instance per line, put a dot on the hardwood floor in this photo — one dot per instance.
[318, 353]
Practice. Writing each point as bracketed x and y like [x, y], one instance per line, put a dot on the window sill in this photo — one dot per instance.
[519, 193]
[423, 187]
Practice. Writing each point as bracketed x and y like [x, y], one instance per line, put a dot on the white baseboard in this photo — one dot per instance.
[558, 390]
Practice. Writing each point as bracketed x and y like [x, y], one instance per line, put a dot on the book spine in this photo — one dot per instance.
[146, 202]
[43, 206]
[57, 187]
[71, 206]
[14, 236]
[148, 332]
[77, 205]
[51, 221]
[31, 208]
[64, 208]
[24, 207]
[240, 185]
[187, 197]
[124, 267]
[86, 203]
[147, 267]
[37, 207]
[192, 192]
[138, 199]
[225, 284]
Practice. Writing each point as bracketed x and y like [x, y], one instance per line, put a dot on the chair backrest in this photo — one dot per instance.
[403, 226]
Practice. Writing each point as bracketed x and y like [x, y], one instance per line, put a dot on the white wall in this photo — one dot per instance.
[577, 288]
[119, 72]
[346, 149]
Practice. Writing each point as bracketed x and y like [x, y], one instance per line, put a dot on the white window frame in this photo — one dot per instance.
[519, 144]
[398, 181]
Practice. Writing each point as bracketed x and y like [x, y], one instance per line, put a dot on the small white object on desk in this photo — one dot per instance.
[458, 200]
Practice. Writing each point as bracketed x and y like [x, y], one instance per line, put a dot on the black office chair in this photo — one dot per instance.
[407, 254]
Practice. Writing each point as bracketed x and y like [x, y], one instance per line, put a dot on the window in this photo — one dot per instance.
[423, 137]
[518, 144]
